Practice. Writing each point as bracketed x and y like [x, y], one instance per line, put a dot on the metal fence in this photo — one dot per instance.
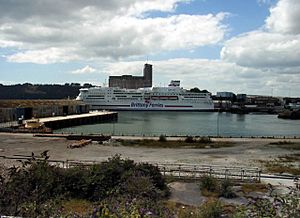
[195, 172]
[178, 171]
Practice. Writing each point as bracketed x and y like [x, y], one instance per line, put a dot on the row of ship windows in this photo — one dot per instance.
[126, 100]
[121, 94]
[139, 96]
[152, 97]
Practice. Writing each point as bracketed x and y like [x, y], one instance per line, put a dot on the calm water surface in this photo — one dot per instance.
[192, 123]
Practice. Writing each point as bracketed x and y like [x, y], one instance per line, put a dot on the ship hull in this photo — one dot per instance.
[153, 106]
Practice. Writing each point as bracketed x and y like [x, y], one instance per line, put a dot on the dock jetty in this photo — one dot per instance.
[59, 122]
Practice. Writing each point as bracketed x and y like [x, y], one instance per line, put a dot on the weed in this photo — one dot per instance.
[211, 209]
[226, 189]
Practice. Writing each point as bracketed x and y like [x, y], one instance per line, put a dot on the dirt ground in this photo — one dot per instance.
[246, 152]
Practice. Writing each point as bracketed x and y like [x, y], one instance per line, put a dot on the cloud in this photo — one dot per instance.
[275, 48]
[262, 2]
[54, 10]
[43, 56]
[284, 17]
[84, 70]
[90, 30]
[263, 49]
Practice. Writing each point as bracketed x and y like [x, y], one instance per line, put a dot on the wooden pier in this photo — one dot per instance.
[79, 119]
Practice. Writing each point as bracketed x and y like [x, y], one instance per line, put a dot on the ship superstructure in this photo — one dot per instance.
[171, 98]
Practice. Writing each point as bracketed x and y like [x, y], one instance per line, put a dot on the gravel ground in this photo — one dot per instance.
[245, 153]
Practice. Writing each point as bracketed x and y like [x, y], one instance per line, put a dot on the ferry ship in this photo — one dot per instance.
[171, 98]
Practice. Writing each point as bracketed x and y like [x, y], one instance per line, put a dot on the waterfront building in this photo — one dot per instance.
[241, 98]
[133, 82]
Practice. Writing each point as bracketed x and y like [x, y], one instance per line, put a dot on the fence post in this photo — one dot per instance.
[242, 174]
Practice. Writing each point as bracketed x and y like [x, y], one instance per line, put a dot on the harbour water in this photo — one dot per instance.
[192, 123]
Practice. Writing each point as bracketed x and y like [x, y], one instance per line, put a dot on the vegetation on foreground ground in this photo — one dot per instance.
[115, 188]
[121, 188]
[188, 142]
[285, 144]
[272, 204]
[212, 187]
[285, 164]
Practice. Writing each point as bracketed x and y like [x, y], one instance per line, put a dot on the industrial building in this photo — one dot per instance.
[133, 82]
[13, 110]
[226, 95]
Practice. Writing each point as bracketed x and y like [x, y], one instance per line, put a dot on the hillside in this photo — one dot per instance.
[38, 91]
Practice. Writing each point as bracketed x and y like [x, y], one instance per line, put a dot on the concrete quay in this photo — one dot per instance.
[79, 119]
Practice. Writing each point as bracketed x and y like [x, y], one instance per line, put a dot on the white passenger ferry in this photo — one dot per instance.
[171, 98]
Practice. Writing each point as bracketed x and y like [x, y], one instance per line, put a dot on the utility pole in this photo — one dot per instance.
[218, 125]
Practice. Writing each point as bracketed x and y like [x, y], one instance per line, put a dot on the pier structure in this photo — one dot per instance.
[79, 119]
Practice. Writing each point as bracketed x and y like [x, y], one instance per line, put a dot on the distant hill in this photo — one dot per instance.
[37, 91]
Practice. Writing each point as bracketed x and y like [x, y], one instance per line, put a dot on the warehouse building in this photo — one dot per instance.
[13, 110]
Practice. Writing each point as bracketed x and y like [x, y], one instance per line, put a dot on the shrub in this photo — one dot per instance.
[205, 140]
[36, 182]
[104, 179]
[139, 186]
[75, 182]
[189, 139]
[154, 173]
[36, 187]
[162, 138]
[210, 186]
[209, 183]
[226, 189]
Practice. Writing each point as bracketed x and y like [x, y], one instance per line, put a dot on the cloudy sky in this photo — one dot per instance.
[244, 46]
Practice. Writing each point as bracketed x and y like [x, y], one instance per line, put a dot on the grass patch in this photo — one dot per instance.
[282, 165]
[212, 208]
[289, 158]
[280, 168]
[182, 210]
[175, 144]
[77, 206]
[254, 187]
[209, 194]
[284, 142]
[287, 145]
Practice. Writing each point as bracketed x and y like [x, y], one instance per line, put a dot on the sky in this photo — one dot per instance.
[242, 46]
